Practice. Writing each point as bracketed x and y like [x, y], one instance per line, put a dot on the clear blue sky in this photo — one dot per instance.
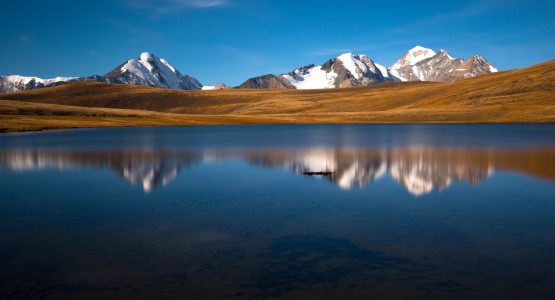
[231, 40]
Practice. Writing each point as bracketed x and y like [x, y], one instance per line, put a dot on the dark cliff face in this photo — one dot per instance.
[344, 77]
[268, 81]
[190, 83]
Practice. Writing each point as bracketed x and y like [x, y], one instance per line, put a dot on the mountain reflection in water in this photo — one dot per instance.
[418, 170]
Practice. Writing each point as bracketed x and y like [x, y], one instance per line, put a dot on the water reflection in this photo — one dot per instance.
[419, 170]
[147, 169]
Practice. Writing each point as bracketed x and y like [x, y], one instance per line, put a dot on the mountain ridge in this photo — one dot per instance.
[352, 70]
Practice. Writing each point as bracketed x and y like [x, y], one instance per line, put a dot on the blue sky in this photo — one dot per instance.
[232, 40]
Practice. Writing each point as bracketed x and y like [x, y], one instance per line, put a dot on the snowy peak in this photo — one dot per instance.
[413, 56]
[358, 65]
[146, 57]
[358, 70]
[150, 70]
[418, 50]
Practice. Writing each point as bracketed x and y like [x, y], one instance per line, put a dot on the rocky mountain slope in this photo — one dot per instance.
[147, 70]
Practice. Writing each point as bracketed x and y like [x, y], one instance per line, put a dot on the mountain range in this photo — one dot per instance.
[353, 70]
[345, 70]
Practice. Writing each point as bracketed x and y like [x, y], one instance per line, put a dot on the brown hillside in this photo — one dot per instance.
[525, 95]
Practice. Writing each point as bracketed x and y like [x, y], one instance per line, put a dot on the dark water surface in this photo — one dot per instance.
[292, 212]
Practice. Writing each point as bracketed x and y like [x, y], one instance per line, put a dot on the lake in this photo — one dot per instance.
[279, 211]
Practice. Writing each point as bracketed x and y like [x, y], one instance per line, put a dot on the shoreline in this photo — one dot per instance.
[86, 124]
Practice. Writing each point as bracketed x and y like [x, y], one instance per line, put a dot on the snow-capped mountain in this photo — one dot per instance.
[15, 83]
[150, 70]
[147, 70]
[346, 70]
[423, 64]
[412, 57]
[350, 70]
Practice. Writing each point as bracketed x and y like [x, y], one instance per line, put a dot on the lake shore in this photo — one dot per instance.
[10, 124]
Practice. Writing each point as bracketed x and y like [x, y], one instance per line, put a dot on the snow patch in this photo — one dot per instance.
[313, 78]
[383, 70]
[139, 69]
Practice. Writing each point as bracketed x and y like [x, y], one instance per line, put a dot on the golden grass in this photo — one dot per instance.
[525, 95]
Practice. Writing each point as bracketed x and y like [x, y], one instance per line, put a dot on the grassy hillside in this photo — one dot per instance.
[525, 95]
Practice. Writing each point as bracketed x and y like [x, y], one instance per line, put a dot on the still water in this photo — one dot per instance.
[289, 212]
